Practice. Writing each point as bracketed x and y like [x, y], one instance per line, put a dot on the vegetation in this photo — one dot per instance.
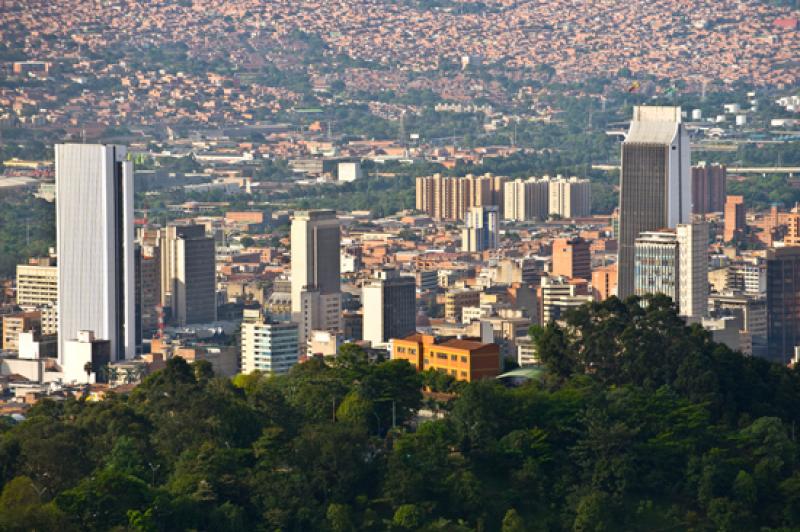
[27, 229]
[640, 423]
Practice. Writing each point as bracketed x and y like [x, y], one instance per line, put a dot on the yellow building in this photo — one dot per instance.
[464, 360]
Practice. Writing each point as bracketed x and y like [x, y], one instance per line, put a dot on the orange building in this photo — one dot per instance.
[571, 258]
[734, 217]
[465, 360]
[604, 282]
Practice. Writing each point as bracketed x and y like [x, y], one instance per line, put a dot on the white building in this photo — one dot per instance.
[569, 198]
[94, 238]
[526, 200]
[348, 171]
[389, 307]
[269, 347]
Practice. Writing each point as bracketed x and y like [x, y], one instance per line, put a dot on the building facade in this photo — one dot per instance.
[482, 229]
[709, 188]
[655, 182]
[269, 347]
[37, 289]
[572, 258]
[316, 283]
[569, 197]
[389, 302]
[783, 302]
[94, 239]
[464, 360]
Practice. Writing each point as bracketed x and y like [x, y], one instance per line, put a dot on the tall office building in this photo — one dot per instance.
[482, 229]
[572, 258]
[188, 274]
[783, 302]
[526, 200]
[655, 182]
[735, 217]
[94, 239]
[709, 186]
[389, 307]
[674, 263]
[569, 198]
[316, 282]
[37, 289]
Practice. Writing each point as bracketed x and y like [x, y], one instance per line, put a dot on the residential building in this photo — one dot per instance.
[94, 240]
[389, 302]
[456, 299]
[655, 182]
[464, 360]
[482, 229]
[569, 198]
[526, 200]
[709, 188]
[37, 289]
[15, 324]
[558, 295]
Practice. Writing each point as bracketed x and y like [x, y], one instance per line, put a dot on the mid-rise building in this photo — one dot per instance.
[735, 220]
[526, 200]
[752, 309]
[569, 198]
[464, 360]
[783, 302]
[482, 229]
[94, 240]
[709, 188]
[15, 324]
[458, 298]
[449, 198]
[655, 182]
[269, 347]
[316, 283]
[557, 295]
[389, 302]
[604, 282]
[572, 258]
[37, 289]
[675, 263]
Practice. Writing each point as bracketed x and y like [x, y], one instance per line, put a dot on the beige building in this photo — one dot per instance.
[449, 198]
[570, 198]
[316, 282]
[37, 289]
[526, 200]
[455, 300]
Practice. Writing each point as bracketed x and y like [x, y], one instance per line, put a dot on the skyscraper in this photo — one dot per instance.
[655, 182]
[188, 274]
[783, 302]
[316, 283]
[389, 307]
[482, 228]
[94, 239]
[693, 269]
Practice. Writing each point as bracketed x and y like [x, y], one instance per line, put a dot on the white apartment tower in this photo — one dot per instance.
[570, 197]
[94, 239]
[316, 283]
[389, 301]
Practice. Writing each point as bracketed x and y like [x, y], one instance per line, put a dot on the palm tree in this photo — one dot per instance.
[88, 369]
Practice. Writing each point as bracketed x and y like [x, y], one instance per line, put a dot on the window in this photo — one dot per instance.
[453, 372]
[401, 349]
[464, 374]
[441, 356]
[464, 359]
[454, 358]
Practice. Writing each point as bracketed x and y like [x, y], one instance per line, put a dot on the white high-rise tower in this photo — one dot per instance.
[94, 239]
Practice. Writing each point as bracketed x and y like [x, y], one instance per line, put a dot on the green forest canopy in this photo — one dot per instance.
[641, 423]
